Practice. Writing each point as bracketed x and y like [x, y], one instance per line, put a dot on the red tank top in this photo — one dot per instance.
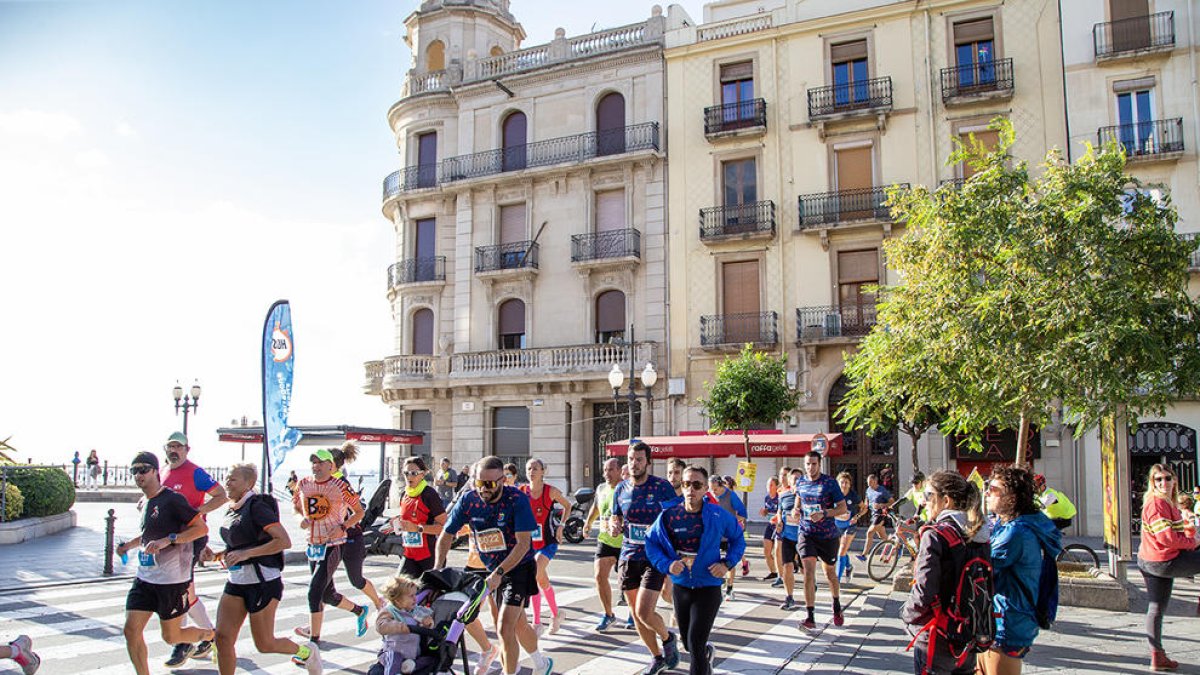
[542, 508]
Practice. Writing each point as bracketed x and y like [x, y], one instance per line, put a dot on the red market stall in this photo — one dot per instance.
[703, 446]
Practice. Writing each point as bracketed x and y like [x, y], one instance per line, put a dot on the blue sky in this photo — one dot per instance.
[167, 171]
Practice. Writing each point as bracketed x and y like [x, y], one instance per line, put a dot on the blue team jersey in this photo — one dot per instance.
[815, 495]
[878, 497]
[771, 504]
[639, 506]
[790, 524]
[852, 502]
[683, 529]
[494, 526]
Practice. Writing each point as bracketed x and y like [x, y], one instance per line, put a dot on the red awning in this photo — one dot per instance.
[728, 445]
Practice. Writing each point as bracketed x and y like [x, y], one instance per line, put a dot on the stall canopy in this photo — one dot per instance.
[326, 435]
[729, 445]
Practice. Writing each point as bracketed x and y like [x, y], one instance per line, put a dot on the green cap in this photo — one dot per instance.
[177, 437]
[321, 455]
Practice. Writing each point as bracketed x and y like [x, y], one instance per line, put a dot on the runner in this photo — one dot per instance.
[787, 536]
[169, 527]
[421, 518]
[323, 503]
[354, 551]
[785, 486]
[821, 501]
[196, 486]
[721, 495]
[637, 503]
[253, 555]
[21, 652]
[770, 508]
[608, 546]
[675, 468]
[877, 500]
[685, 540]
[546, 536]
[511, 475]
[847, 523]
[488, 652]
[502, 525]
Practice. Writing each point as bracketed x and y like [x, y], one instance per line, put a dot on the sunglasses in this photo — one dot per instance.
[694, 484]
[1164, 479]
[930, 494]
[993, 487]
[414, 473]
[140, 469]
[489, 484]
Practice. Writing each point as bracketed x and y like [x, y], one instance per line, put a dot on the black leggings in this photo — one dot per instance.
[320, 587]
[1160, 579]
[354, 553]
[695, 612]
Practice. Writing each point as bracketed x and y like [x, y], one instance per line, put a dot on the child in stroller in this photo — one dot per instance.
[423, 624]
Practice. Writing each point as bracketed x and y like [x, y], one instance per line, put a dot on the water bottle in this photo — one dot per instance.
[124, 556]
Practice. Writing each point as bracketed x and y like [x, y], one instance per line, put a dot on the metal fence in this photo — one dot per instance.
[827, 208]
[849, 97]
[737, 115]
[1139, 33]
[1145, 139]
[737, 219]
[977, 77]
[517, 255]
[414, 270]
[603, 245]
[737, 329]
[832, 321]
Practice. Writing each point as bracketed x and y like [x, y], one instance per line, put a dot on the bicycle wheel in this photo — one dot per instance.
[1080, 554]
[882, 561]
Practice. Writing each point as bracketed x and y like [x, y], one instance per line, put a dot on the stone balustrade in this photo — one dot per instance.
[739, 26]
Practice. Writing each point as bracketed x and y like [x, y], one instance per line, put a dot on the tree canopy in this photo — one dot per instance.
[749, 389]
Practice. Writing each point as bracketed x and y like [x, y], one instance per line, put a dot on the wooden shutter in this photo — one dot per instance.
[858, 266]
[988, 137]
[510, 432]
[973, 31]
[422, 331]
[732, 72]
[610, 312]
[512, 317]
[854, 168]
[427, 148]
[740, 287]
[610, 210]
[512, 223]
[422, 420]
[1127, 9]
[848, 51]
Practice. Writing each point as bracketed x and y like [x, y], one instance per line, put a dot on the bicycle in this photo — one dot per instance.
[885, 555]
[1077, 554]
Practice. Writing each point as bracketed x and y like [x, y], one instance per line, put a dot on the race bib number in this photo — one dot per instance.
[146, 559]
[537, 533]
[792, 518]
[315, 552]
[490, 541]
[810, 509]
[414, 540]
[637, 534]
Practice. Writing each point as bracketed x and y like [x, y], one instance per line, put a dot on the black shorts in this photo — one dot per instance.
[639, 574]
[415, 568]
[769, 533]
[256, 596]
[790, 554]
[825, 550]
[879, 518]
[519, 585]
[197, 549]
[168, 601]
[603, 550]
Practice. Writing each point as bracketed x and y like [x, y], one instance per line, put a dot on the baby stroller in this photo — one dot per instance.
[455, 598]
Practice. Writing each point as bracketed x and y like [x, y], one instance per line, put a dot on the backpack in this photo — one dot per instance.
[968, 622]
[274, 560]
[1046, 607]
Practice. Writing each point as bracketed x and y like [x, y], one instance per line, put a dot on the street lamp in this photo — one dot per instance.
[616, 378]
[186, 402]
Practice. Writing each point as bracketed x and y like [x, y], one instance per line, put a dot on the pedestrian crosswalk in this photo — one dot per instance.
[79, 628]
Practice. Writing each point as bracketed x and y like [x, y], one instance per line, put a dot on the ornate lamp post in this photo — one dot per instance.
[616, 377]
[187, 403]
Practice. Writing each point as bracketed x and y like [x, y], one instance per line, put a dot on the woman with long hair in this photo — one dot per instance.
[957, 535]
[770, 509]
[542, 498]
[420, 521]
[354, 551]
[1022, 537]
[1167, 552]
[848, 524]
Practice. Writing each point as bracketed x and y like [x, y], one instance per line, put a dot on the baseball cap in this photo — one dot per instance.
[321, 455]
[177, 437]
[146, 458]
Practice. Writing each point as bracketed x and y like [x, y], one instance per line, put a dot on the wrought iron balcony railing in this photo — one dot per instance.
[831, 322]
[417, 270]
[838, 99]
[738, 219]
[830, 208]
[1136, 34]
[1143, 140]
[514, 256]
[604, 245]
[977, 78]
[735, 116]
[575, 148]
[760, 328]
[410, 178]
[1194, 260]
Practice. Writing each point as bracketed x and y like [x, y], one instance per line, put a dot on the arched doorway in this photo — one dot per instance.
[1160, 443]
[862, 453]
[610, 124]
[514, 142]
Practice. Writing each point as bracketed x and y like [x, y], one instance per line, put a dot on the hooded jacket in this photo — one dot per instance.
[718, 524]
[938, 568]
[1017, 550]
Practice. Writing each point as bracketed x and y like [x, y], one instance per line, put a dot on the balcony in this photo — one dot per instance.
[417, 271]
[1138, 36]
[409, 179]
[973, 82]
[731, 331]
[1194, 260]
[432, 81]
[828, 209]
[1157, 140]
[518, 256]
[741, 118]
[831, 323]
[739, 221]
[605, 249]
[851, 100]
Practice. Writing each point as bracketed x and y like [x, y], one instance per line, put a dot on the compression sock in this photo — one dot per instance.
[358, 609]
[199, 615]
[550, 601]
[811, 613]
[536, 601]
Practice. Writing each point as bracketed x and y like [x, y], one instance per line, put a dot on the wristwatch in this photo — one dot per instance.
[171, 537]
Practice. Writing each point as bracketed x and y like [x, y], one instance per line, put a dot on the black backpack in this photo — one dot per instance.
[968, 622]
[274, 560]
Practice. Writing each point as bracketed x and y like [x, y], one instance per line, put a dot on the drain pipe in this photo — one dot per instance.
[1195, 83]
[933, 145]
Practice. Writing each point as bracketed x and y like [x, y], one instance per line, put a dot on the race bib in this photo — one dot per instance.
[537, 533]
[637, 534]
[146, 559]
[315, 552]
[792, 518]
[414, 540]
[810, 509]
[490, 541]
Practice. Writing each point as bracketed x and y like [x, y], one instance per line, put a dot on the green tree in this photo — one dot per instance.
[1020, 293]
[749, 389]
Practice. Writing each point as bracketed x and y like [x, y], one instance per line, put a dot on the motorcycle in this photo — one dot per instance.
[573, 527]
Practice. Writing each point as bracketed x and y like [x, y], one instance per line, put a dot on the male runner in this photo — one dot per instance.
[160, 585]
[787, 536]
[821, 501]
[877, 499]
[502, 524]
[637, 503]
[194, 483]
[608, 546]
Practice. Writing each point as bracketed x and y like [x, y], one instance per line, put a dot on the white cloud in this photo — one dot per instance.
[39, 124]
[92, 159]
[125, 130]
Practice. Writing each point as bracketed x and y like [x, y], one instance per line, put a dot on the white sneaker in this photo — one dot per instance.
[487, 660]
[542, 665]
[556, 624]
[539, 629]
[314, 665]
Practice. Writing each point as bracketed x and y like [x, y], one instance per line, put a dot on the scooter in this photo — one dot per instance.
[573, 528]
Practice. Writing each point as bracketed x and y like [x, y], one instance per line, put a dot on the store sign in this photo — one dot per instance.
[999, 445]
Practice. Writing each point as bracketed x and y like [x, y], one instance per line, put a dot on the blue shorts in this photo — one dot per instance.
[548, 551]
[852, 530]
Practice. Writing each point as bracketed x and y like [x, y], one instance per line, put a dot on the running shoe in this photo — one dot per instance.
[308, 656]
[203, 649]
[778, 583]
[861, 558]
[606, 622]
[180, 655]
[486, 660]
[629, 622]
[555, 624]
[670, 648]
[808, 624]
[729, 594]
[621, 601]
[772, 575]
[361, 628]
[539, 629]
[542, 665]
[745, 567]
[656, 666]
[28, 660]
[303, 631]
[839, 618]
[788, 604]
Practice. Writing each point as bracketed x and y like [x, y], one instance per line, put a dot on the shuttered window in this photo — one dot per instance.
[1127, 9]
[512, 324]
[848, 51]
[988, 137]
[510, 434]
[854, 168]
[422, 331]
[610, 210]
[512, 223]
[740, 182]
[858, 266]
[737, 83]
[737, 71]
[610, 125]
[422, 420]
[740, 287]
[978, 30]
[610, 316]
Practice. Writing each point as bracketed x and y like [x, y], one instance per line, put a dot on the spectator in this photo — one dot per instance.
[1167, 552]
[445, 481]
[91, 474]
[464, 475]
[291, 483]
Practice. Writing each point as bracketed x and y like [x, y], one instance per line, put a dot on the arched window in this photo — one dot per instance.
[435, 56]
[610, 316]
[514, 140]
[610, 125]
[497, 50]
[422, 331]
[512, 324]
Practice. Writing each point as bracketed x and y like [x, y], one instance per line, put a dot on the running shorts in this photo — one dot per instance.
[825, 550]
[790, 554]
[256, 596]
[519, 584]
[639, 574]
[603, 550]
[769, 533]
[168, 601]
[548, 551]
[415, 568]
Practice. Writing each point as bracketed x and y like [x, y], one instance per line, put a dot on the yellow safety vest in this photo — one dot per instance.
[1062, 508]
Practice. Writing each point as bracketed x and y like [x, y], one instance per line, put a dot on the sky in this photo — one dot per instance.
[168, 171]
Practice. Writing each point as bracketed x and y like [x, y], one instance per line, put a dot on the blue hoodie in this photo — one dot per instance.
[718, 524]
[1017, 550]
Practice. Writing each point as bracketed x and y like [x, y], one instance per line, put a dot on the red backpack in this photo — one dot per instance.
[968, 622]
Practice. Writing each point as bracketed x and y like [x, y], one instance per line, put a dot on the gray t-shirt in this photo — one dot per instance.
[446, 492]
[163, 514]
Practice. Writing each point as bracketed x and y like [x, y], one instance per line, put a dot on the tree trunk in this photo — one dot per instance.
[746, 440]
[1022, 441]
[915, 436]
